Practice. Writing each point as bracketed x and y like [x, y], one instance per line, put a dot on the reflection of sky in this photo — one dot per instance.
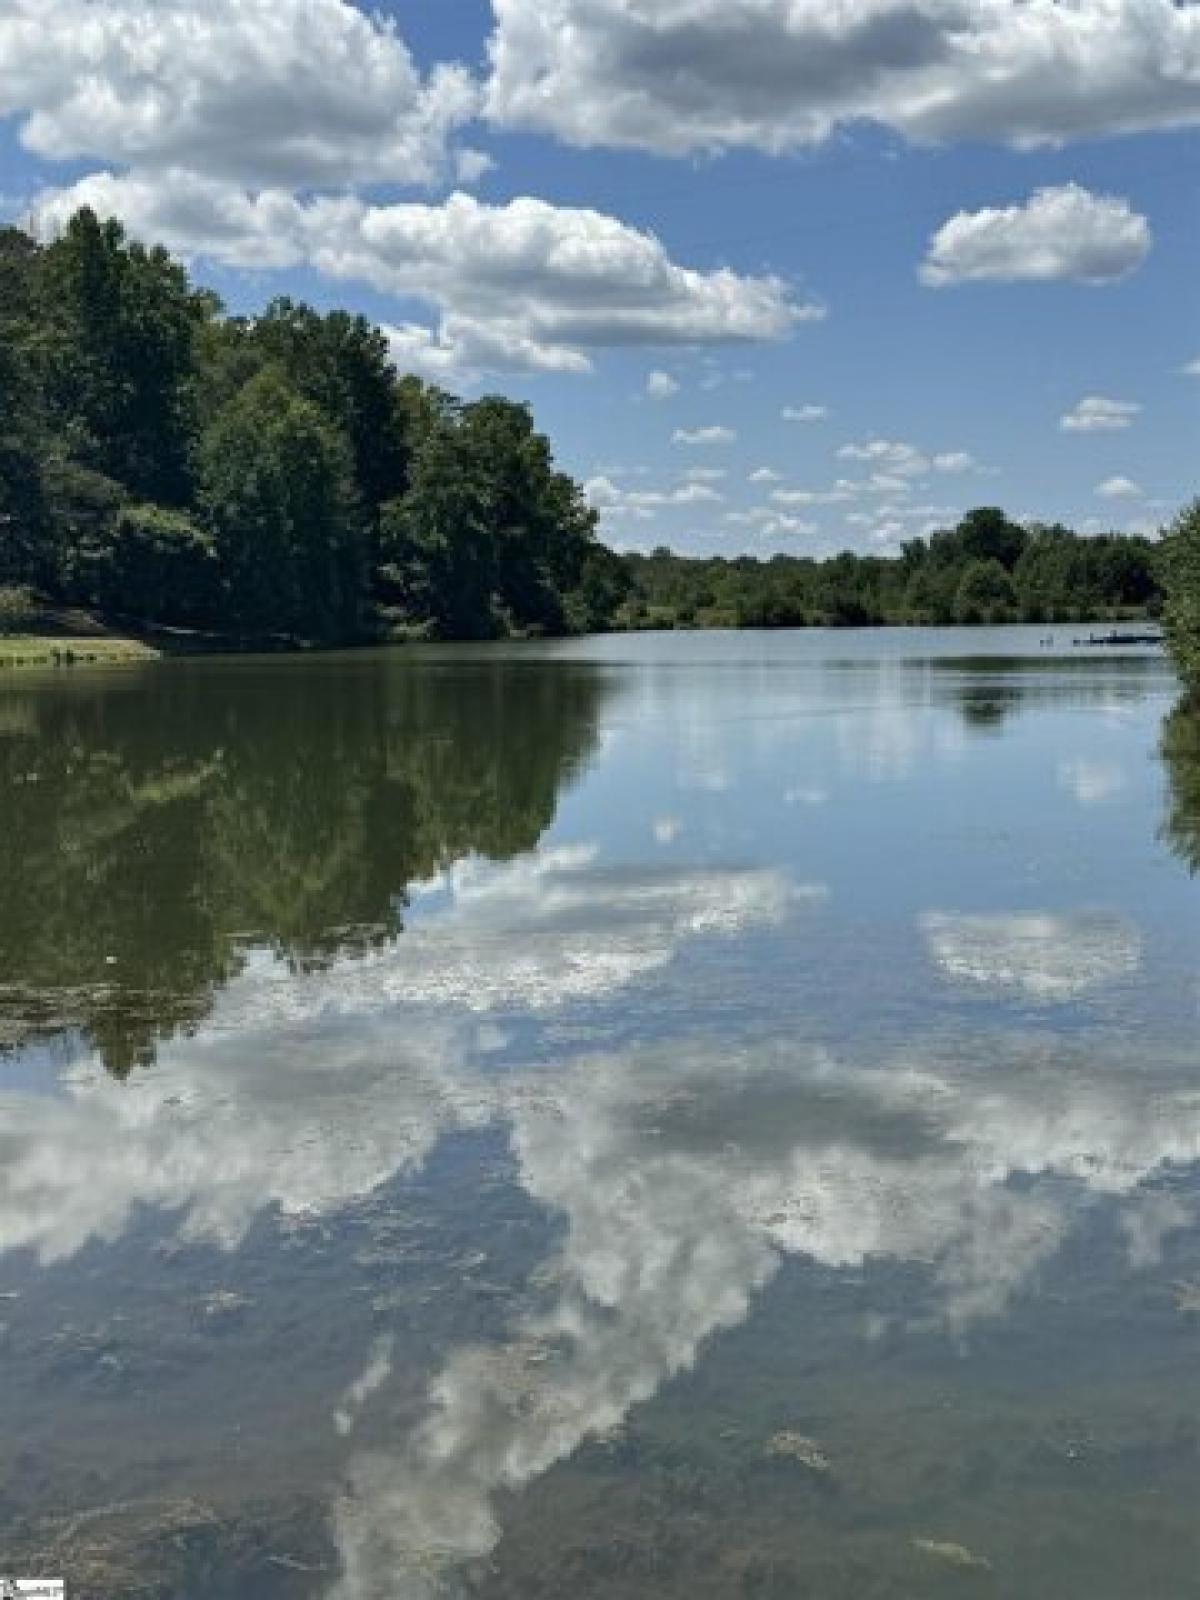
[306, 1090]
[1048, 956]
[823, 908]
[685, 1174]
[682, 1172]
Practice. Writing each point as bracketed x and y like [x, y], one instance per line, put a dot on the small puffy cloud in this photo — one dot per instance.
[602, 491]
[1064, 233]
[1119, 488]
[522, 286]
[955, 461]
[890, 455]
[888, 533]
[806, 413]
[704, 474]
[791, 526]
[680, 77]
[471, 165]
[765, 475]
[812, 497]
[661, 385]
[693, 494]
[717, 434]
[770, 522]
[1192, 369]
[603, 495]
[610, 499]
[1096, 413]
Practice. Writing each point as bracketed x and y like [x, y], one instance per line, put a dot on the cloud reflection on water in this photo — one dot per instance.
[306, 1090]
[1047, 956]
[686, 1174]
[683, 1173]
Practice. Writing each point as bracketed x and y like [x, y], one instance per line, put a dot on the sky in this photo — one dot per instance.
[798, 275]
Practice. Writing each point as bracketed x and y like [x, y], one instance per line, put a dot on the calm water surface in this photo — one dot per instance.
[704, 1116]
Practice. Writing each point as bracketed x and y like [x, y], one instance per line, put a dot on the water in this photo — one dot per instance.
[710, 1115]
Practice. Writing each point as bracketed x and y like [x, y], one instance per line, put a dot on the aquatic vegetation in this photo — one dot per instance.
[954, 1555]
[786, 1445]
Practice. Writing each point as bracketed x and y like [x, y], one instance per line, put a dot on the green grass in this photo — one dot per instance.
[39, 650]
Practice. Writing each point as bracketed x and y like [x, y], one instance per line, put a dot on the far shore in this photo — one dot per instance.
[76, 637]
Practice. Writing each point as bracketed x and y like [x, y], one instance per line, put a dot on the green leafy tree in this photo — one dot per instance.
[343, 365]
[157, 565]
[1181, 581]
[27, 553]
[602, 590]
[277, 497]
[985, 593]
[986, 534]
[490, 535]
[121, 325]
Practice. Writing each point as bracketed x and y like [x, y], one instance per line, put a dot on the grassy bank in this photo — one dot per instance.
[45, 650]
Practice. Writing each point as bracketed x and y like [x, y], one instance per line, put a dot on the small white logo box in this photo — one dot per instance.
[32, 1589]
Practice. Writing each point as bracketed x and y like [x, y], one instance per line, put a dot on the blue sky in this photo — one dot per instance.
[956, 239]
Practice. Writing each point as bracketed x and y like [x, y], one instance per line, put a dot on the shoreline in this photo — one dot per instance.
[91, 640]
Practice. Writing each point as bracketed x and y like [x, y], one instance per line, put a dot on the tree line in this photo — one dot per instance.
[273, 478]
[265, 477]
[987, 569]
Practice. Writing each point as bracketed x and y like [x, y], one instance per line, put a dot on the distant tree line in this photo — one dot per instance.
[275, 478]
[263, 477]
[987, 569]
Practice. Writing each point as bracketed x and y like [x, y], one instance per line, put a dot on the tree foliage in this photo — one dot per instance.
[1181, 573]
[275, 478]
[985, 569]
[265, 477]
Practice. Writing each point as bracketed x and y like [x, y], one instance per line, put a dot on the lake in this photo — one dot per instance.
[703, 1115]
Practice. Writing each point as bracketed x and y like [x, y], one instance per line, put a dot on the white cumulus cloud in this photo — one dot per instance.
[680, 76]
[806, 413]
[717, 434]
[955, 461]
[521, 286]
[610, 499]
[661, 385]
[1096, 413]
[1119, 488]
[291, 93]
[890, 455]
[1062, 233]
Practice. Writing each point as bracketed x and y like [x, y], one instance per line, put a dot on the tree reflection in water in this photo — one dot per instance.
[1181, 756]
[159, 824]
